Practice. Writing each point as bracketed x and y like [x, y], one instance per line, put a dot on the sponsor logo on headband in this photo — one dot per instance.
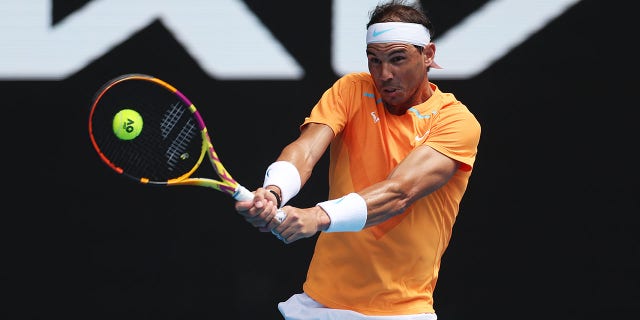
[377, 33]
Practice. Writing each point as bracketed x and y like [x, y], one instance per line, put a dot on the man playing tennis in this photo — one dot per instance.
[401, 155]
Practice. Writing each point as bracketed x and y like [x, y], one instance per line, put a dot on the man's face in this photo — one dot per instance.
[399, 72]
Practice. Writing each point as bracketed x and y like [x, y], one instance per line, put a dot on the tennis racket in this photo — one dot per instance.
[145, 129]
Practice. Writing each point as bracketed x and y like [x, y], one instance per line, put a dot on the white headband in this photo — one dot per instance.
[413, 33]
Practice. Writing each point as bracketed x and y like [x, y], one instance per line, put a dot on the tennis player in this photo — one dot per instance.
[401, 155]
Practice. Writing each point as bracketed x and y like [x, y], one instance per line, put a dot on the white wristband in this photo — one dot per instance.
[285, 176]
[348, 213]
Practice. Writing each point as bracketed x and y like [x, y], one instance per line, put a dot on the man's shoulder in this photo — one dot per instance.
[359, 80]
[357, 76]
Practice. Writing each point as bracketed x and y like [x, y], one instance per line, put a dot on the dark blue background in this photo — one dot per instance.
[547, 229]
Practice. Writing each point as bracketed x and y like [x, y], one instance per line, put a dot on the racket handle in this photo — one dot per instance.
[281, 215]
[242, 194]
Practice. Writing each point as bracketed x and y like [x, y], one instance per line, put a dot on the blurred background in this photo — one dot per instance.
[547, 228]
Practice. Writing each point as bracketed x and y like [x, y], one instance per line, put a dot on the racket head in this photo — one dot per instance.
[172, 142]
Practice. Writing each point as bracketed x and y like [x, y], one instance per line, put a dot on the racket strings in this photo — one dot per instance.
[177, 151]
[171, 118]
[169, 146]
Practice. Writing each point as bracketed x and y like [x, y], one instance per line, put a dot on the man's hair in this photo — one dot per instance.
[400, 11]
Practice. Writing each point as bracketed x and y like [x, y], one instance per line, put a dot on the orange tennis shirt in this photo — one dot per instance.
[390, 268]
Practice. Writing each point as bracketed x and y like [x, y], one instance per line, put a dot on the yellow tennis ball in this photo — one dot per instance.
[127, 124]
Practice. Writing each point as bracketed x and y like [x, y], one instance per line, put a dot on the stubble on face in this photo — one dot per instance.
[399, 73]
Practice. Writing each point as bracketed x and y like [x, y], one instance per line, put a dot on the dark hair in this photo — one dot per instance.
[400, 11]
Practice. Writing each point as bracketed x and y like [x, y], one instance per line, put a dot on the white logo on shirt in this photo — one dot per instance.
[375, 117]
[418, 138]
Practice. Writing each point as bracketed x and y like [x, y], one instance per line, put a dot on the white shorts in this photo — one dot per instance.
[302, 307]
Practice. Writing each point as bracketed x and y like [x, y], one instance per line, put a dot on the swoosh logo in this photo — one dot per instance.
[418, 138]
[377, 33]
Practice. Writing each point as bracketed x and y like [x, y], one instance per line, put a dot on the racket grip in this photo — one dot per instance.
[281, 215]
[242, 194]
